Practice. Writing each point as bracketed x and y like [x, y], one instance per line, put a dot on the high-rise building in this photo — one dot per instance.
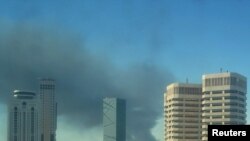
[223, 103]
[48, 110]
[224, 100]
[114, 119]
[182, 112]
[23, 120]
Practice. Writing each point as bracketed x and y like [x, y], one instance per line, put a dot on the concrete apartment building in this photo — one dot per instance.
[182, 102]
[221, 100]
[224, 100]
[23, 117]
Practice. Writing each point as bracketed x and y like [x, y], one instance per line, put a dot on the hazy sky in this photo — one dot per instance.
[118, 46]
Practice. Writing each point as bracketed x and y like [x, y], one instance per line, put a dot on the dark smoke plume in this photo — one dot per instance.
[28, 52]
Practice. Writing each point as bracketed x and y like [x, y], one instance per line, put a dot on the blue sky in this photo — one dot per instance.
[187, 37]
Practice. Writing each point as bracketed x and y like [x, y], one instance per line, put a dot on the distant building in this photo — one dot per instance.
[114, 119]
[224, 100]
[182, 111]
[48, 110]
[23, 120]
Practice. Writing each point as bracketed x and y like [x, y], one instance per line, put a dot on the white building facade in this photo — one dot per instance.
[23, 117]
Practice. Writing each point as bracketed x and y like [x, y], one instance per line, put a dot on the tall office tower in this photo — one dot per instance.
[224, 100]
[48, 110]
[114, 119]
[23, 120]
[182, 112]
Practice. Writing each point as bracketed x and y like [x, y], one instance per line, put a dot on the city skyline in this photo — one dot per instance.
[129, 49]
[224, 84]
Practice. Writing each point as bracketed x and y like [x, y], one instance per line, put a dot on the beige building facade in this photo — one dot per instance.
[223, 100]
[190, 108]
[182, 111]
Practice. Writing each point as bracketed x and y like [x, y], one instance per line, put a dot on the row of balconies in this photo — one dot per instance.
[223, 101]
[221, 107]
[223, 120]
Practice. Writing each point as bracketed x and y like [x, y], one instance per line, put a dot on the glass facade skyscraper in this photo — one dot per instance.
[114, 119]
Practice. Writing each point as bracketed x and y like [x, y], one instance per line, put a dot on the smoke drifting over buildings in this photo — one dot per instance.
[28, 52]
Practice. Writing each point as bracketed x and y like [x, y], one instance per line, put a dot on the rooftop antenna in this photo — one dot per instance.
[221, 70]
[187, 80]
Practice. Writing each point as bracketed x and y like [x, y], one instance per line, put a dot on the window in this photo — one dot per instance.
[177, 115]
[217, 104]
[216, 110]
[217, 92]
[241, 99]
[241, 105]
[230, 116]
[231, 110]
[177, 99]
[192, 100]
[177, 126]
[233, 81]
[191, 126]
[15, 120]
[217, 98]
[191, 116]
[191, 110]
[192, 105]
[216, 117]
[241, 111]
[177, 121]
[192, 121]
[192, 137]
[231, 104]
[206, 99]
[206, 92]
[231, 123]
[231, 98]
[178, 104]
[216, 123]
[226, 80]
[231, 91]
[206, 111]
[242, 118]
[206, 105]
[177, 132]
[242, 93]
[191, 132]
[177, 110]
[207, 82]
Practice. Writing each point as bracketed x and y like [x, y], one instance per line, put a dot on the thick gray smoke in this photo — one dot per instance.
[28, 52]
